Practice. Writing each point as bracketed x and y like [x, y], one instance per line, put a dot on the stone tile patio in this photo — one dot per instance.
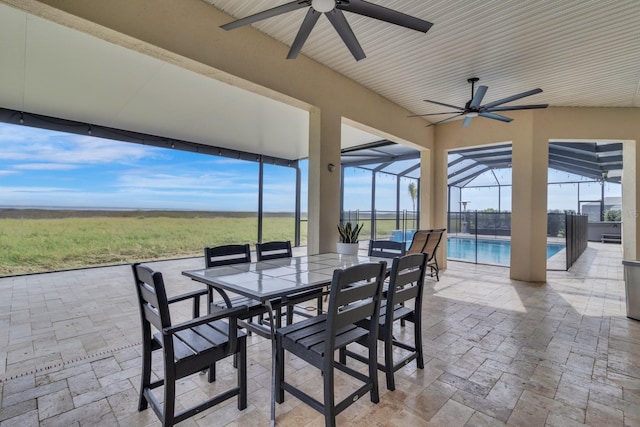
[498, 352]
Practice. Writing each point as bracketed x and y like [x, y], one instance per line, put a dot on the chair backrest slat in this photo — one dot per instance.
[152, 297]
[148, 294]
[226, 255]
[355, 295]
[386, 248]
[354, 313]
[152, 315]
[273, 250]
[406, 284]
[406, 281]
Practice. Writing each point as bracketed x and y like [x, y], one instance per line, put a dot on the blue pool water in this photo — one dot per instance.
[489, 251]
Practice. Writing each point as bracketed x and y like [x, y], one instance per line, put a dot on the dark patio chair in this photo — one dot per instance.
[226, 255]
[188, 347]
[428, 241]
[229, 255]
[406, 283]
[386, 248]
[355, 296]
[282, 249]
[273, 250]
[218, 256]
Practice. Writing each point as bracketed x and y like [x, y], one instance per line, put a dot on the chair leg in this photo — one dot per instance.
[212, 372]
[417, 331]
[279, 372]
[373, 369]
[319, 305]
[168, 413]
[342, 356]
[290, 314]
[242, 373]
[388, 357]
[146, 377]
[329, 399]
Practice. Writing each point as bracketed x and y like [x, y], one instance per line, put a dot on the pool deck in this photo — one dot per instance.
[497, 352]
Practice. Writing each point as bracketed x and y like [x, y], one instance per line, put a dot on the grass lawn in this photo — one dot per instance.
[33, 241]
[39, 245]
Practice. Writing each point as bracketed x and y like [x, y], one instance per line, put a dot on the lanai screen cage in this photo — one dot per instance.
[581, 179]
[392, 209]
[580, 176]
[480, 178]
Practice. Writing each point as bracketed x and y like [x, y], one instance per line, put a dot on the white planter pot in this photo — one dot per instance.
[347, 248]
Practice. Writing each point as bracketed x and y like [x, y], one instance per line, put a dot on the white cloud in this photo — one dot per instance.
[46, 166]
[197, 181]
[14, 133]
[72, 149]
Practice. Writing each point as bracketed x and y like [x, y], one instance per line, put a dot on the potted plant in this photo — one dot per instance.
[348, 243]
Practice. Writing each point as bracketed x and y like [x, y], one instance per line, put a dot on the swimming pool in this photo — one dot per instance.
[489, 251]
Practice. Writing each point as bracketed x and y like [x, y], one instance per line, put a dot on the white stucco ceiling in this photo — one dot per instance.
[581, 53]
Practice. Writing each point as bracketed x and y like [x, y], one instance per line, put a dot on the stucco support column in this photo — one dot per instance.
[324, 184]
[530, 162]
[630, 198]
[433, 196]
[426, 190]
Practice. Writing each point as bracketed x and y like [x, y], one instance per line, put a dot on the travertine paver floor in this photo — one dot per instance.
[497, 352]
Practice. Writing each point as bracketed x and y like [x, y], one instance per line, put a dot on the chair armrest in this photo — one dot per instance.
[196, 300]
[188, 295]
[227, 313]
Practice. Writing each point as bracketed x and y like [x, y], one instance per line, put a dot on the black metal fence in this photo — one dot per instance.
[490, 233]
[477, 228]
[576, 237]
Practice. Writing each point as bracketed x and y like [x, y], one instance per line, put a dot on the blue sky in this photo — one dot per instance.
[50, 169]
[42, 168]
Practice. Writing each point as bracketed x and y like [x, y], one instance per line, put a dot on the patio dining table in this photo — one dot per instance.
[272, 280]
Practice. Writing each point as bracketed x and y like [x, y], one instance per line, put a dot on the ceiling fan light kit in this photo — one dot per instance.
[332, 9]
[474, 108]
[323, 6]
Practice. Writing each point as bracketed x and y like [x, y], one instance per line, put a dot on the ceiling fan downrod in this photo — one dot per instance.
[473, 81]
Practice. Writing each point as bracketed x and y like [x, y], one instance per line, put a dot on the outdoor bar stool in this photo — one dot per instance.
[188, 347]
[406, 282]
[355, 296]
[224, 255]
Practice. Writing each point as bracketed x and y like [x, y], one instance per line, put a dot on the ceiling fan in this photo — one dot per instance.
[333, 11]
[474, 108]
